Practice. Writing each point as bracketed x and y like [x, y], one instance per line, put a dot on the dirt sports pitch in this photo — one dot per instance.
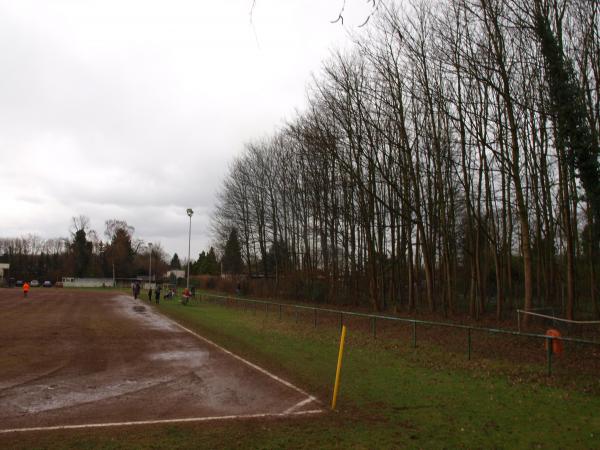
[76, 359]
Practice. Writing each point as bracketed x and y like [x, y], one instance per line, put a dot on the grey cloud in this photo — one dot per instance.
[135, 109]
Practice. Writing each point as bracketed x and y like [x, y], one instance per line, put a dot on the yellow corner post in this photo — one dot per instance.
[338, 372]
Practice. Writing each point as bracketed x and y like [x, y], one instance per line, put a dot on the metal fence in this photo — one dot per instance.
[316, 313]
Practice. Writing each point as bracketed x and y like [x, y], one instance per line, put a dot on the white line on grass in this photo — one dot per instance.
[298, 405]
[309, 399]
[245, 361]
[161, 421]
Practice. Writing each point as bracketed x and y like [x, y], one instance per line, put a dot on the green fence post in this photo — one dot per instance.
[549, 354]
[374, 327]
[414, 334]
[469, 344]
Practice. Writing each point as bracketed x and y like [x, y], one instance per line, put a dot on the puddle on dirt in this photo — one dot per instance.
[191, 358]
[143, 314]
[37, 398]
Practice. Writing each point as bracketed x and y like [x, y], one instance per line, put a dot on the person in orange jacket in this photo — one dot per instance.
[25, 289]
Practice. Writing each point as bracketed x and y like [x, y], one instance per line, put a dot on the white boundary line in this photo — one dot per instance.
[248, 363]
[239, 358]
[161, 421]
[291, 409]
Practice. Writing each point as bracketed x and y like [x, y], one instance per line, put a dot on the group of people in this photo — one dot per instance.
[156, 293]
[136, 288]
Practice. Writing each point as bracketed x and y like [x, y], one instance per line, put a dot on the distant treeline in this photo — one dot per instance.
[448, 161]
[83, 254]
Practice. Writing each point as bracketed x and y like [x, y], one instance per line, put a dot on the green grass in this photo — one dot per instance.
[390, 397]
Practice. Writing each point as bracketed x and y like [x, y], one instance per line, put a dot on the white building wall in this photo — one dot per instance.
[87, 282]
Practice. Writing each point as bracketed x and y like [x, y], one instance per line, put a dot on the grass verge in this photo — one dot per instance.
[390, 398]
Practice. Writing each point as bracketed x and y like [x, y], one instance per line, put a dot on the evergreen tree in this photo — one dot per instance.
[232, 257]
[175, 263]
[568, 104]
[82, 253]
[206, 264]
[199, 267]
[212, 265]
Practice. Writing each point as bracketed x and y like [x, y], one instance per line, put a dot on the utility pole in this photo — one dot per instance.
[190, 213]
[150, 267]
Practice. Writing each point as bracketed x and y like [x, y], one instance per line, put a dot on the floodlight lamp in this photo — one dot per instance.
[190, 212]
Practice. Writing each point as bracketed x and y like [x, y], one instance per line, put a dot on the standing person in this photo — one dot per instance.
[133, 289]
[157, 293]
[136, 290]
[25, 289]
[150, 292]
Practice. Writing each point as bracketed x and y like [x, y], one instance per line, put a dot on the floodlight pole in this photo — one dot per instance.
[150, 268]
[190, 212]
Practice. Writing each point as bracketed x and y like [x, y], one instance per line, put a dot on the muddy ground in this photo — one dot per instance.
[85, 357]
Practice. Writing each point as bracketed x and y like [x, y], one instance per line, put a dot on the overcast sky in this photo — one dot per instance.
[133, 109]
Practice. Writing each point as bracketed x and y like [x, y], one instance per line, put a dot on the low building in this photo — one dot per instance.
[3, 267]
[176, 273]
[87, 282]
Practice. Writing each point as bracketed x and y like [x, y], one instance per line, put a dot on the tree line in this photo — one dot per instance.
[448, 160]
[226, 260]
[121, 254]
[83, 254]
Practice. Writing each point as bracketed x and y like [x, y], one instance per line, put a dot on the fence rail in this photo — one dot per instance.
[469, 329]
[554, 318]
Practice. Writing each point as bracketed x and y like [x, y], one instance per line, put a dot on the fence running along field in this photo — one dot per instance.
[318, 315]
[554, 319]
